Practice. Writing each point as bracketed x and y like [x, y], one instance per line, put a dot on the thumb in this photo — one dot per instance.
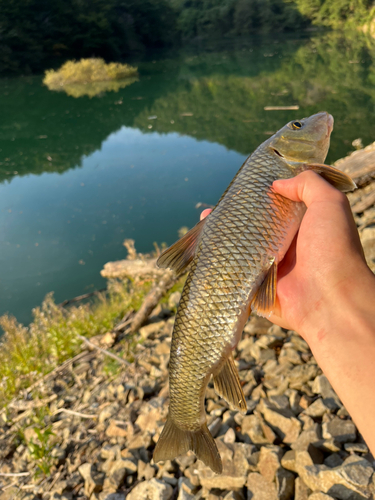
[307, 187]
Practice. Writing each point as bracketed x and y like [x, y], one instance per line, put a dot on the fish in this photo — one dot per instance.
[232, 256]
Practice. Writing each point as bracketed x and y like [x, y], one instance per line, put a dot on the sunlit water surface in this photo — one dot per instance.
[79, 175]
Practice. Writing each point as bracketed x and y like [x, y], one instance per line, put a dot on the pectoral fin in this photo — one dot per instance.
[228, 386]
[338, 179]
[265, 298]
[178, 256]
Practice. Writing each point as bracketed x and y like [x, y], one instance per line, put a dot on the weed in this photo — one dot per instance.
[26, 353]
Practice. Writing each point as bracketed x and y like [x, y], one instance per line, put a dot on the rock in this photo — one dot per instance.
[230, 436]
[235, 467]
[317, 409]
[111, 496]
[301, 490]
[149, 330]
[350, 481]
[333, 460]
[284, 484]
[151, 490]
[145, 470]
[320, 496]
[258, 488]
[108, 412]
[356, 447]
[93, 480]
[119, 429]
[307, 437]
[234, 495]
[342, 431]
[269, 461]
[174, 299]
[257, 430]
[288, 461]
[117, 473]
[282, 422]
[301, 374]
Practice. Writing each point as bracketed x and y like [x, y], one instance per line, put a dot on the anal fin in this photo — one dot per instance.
[228, 386]
[265, 298]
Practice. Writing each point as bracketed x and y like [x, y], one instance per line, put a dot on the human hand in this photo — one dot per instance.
[325, 261]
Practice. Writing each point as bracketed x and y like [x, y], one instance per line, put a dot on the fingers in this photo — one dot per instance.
[308, 187]
[205, 213]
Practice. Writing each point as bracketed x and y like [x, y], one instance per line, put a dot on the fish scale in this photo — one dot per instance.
[219, 265]
[234, 254]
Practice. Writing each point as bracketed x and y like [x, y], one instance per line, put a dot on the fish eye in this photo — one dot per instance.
[297, 125]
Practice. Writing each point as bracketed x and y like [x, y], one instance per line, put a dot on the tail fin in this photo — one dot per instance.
[174, 441]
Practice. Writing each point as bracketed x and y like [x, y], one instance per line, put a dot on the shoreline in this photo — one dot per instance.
[86, 427]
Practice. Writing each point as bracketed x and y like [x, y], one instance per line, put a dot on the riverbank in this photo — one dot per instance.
[84, 427]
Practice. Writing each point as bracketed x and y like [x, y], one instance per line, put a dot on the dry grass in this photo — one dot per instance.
[26, 353]
[90, 77]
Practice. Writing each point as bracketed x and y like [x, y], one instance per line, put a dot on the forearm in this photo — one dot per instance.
[343, 343]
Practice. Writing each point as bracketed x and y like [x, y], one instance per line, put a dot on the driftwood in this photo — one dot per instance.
[134, 269]
[152, 299]
[360, 165]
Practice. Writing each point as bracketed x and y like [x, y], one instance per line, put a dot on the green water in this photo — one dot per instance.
[79, 175]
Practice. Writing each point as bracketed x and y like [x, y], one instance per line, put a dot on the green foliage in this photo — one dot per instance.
[51, 338]
[34, 33]
[40, 451]
[90, 77]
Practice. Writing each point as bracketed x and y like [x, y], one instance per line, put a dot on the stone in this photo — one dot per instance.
[317, 409]
[356, 447]
[350, 481]
[230, 436]
[234, 495]
[117, 473]
[301, 490]
[307, 437]
[258, 488]
[301, 374]
[93, 480]
[284, 484]
[320, 496]
[342, 431]
[174, 299]
[119, 429]
[108, 412]
[151, 490]
[105, 495]
[283, 422]
[288, 460]
[145, 470]
[151, 329]
[235, 467]
[269, 461]
[333, 460]
[257, 430]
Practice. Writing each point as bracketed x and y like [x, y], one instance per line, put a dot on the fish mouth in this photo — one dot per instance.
[330, 122]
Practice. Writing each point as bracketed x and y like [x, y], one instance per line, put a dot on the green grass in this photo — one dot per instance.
[27, 353]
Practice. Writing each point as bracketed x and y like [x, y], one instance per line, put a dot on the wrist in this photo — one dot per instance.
[347, 310]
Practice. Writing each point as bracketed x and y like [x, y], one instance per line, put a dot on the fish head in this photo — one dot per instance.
[305, 140]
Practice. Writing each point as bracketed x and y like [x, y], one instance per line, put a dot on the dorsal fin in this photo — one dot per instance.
[178, 256]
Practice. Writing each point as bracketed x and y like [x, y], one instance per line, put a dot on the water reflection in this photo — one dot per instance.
[136, 162]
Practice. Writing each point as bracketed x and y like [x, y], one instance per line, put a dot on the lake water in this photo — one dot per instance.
[79, 175]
